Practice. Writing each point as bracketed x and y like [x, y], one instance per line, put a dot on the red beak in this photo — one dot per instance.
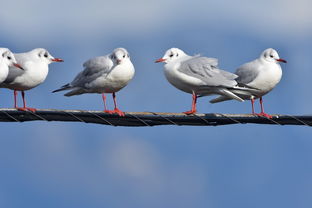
[160, 60]
[18, 66]
[281, 60]
[57, 60]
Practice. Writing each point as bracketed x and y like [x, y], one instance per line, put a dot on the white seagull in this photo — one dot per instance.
[103, 74]
[35, 64]
[262, 74]
[199, 76]
[7, 60]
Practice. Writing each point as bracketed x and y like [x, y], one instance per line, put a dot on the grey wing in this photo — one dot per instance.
[97, 64]
[93, 68]
[206, 70]
[228, 75]
[13, 73]
[246, 73]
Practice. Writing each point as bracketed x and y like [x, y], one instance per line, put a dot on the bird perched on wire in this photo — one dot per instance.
[103, 74]
[7, 60]
[262, 74]
[35, 64]
[197, 75]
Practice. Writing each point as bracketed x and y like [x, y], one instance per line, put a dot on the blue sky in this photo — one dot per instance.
[54, 164]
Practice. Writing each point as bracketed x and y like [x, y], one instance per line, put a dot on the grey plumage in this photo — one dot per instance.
[93, 68]
[102, 74]
[246, 74]
[206, 70]
[259, 76]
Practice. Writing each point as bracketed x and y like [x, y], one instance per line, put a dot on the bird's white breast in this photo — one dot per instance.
[269, 76]
[179, 79]
[4, 71]
[35, 73]
[118, 78]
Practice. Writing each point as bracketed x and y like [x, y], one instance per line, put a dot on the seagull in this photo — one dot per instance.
[197, 75]
[35, 64]
[7, 60]
[103, 74]
[262, 74]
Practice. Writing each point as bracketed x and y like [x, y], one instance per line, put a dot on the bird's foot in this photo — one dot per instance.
[262, 114]
[116, 110]
[190, 112]
[27, 109]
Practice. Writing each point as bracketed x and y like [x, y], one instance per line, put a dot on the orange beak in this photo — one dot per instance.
[18, 66]
[281, 60]
[57, 60]
[160, 60]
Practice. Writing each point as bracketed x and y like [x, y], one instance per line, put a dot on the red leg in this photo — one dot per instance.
[253, 106]
[15, 100]
[116, 110]
[104, 101]
[262, 110]
[24, 105]
[194, 101]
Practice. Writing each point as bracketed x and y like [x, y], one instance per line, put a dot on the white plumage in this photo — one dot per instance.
[35, 64]
[199, 76]
[262, 74]
[7, 60]
[103, 74]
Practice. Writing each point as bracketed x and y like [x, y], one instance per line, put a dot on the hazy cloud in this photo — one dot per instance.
[77, 19]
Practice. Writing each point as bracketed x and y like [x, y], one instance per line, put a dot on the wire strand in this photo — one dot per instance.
[149, 118]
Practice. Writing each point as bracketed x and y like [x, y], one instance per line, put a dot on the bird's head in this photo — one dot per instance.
[120, 55]
[271, 55]
[44, 56]
[8, 58]
[171, 55]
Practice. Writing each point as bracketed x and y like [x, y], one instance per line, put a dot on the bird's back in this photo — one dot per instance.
[259, 74]
[93, 68]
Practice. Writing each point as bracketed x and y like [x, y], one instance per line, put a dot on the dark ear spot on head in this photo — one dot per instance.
[3, 54]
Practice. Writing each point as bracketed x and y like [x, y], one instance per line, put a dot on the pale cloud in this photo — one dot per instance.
[113, 164]
[266, 18]
[135, 159]
[84, 19]
[79, 18]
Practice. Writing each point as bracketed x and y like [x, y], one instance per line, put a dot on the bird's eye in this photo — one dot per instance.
[9, 57]
[171, 55]
[271, 56]
[124, 56]
[45, 55]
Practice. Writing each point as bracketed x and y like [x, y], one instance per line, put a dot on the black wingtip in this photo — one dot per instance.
[64, 87]
[56, 90]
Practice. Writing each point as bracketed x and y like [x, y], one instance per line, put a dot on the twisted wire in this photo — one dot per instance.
[150, 118]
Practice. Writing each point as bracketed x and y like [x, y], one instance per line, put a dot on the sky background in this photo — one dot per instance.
[55, 164]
